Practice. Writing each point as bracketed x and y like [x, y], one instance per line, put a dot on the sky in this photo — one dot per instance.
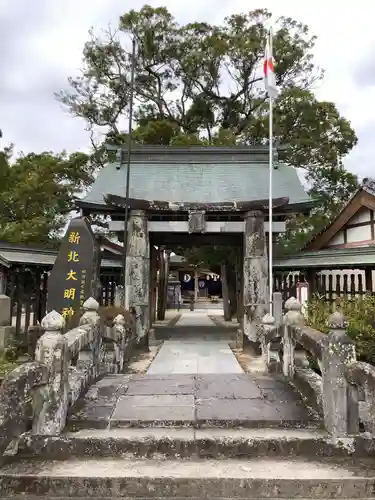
[41, 45]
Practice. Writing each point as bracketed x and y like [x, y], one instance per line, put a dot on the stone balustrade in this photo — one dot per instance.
[16, 394]
[322, 367]
[65, 365]
[361, 379]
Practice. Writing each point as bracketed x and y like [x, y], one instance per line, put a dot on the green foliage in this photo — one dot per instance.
[201, 83]
[199, 79]
[5, 368]
[11, 354]
[37, 192]
[210, 256]
[360, 314]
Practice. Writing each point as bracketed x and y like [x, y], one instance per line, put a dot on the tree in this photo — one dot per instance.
[202, 84]
[201, 79]
[37, 192]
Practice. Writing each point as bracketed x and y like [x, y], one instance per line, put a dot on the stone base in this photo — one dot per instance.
[152, 341]
[7, 333]
[239, 339]
[254, 347]
[143, 343]
[5, 313]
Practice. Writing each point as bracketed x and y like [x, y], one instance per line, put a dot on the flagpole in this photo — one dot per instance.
[270, 215]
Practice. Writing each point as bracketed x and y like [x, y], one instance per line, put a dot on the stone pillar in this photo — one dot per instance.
[338, 353]
[293, 318]
[255, 274]
[138, 271]
[51, 402]
[6, 330]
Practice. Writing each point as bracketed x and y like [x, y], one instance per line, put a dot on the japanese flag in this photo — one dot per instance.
[269, 70]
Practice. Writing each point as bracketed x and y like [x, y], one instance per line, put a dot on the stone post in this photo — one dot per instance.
[6, 330]
[119, 296]
[268, 330]
[338, 351]
[138, 271]
[292, 319]
[255, 274]
[121, 340]
[51, 401]
[89, 358]
[278, 308]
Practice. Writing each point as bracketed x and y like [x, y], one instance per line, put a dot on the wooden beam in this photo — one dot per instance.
[180, 206]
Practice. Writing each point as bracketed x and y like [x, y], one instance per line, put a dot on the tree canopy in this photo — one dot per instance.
[205, 81]
[201, 83]
[37, 192]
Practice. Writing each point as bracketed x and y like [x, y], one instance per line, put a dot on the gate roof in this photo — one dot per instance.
[197, 175]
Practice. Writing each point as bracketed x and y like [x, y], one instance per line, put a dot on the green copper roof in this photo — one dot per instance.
[328, 258]
[198, 175]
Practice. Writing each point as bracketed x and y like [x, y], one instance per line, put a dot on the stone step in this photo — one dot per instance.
[189, 479]
[189, 443]
[34, 497]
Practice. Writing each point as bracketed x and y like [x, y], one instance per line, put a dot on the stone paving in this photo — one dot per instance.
[195, 381]
[196, 325]
[198, 355]
[193, 400]
[176, 357]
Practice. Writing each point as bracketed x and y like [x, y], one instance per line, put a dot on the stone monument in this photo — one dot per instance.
[76, 273]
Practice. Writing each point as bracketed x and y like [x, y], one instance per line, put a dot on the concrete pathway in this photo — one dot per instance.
[194, 356]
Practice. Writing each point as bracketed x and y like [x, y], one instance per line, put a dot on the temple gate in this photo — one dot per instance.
[189, 197]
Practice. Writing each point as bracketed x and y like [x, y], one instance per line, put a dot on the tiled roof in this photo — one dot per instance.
[194, 178]
[328, 258]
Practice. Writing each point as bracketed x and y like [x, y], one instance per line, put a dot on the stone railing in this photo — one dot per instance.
[65, 366]
[361, 396]
[321, 366]
[16, 395]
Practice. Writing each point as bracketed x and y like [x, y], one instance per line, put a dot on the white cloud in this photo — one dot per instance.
[40, 46]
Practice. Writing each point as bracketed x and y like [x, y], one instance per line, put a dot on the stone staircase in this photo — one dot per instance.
[216, 436]
[218, 458]
[177, 463]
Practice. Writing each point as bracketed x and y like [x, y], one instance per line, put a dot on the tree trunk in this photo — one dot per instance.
[224, 288]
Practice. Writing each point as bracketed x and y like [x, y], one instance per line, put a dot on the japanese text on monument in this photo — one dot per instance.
[74, 277]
